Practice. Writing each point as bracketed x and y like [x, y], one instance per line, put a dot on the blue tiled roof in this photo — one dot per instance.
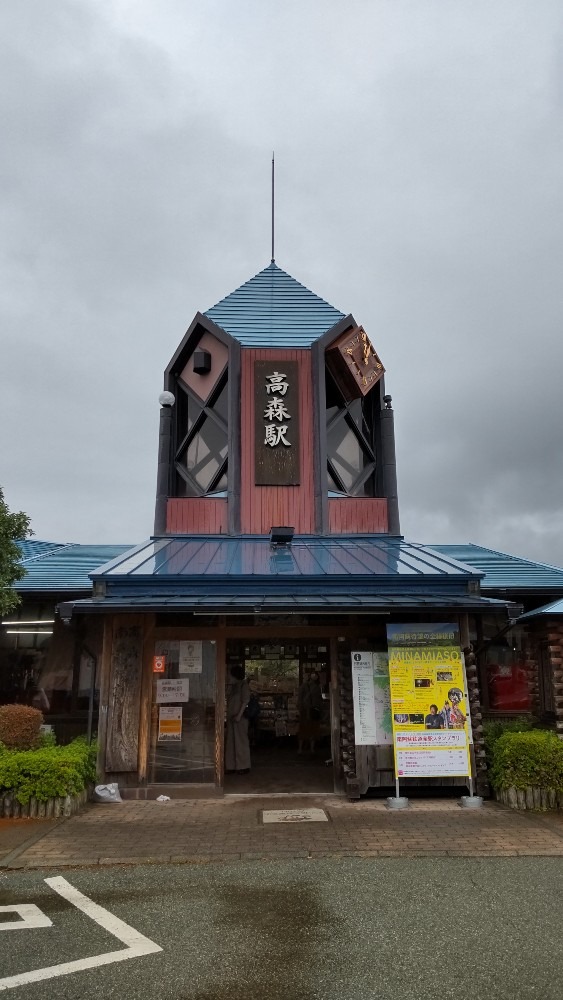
[274, 310]
[31, 548]
[503, 571]
[56, 567]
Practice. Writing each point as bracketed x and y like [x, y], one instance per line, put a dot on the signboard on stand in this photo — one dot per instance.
[365, 727]
[372, 700]
[429, 703]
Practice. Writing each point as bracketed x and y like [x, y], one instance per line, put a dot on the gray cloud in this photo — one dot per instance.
[419, 154]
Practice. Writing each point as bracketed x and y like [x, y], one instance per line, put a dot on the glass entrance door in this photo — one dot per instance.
[182, 740]
[289, 724]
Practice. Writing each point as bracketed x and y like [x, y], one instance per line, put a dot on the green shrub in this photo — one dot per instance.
[533, 759]
[19, 726]
[494, 730]
[49, 772]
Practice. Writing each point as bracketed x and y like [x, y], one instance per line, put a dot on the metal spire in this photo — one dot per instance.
[273, 256]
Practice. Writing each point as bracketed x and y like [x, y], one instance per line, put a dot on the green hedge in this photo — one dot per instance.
[49, 772]
[533, 759]
[493, 730]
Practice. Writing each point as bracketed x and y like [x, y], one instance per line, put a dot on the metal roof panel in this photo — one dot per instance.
[272, 309]
[503, 571]
[63, 567]
[178, 557]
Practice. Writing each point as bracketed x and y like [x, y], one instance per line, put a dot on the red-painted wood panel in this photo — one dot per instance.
[196, 516]
[265, 506]
[357, 515]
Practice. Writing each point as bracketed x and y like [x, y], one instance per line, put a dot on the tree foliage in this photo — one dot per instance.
[14, 528]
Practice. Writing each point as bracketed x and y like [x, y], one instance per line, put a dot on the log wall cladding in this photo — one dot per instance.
[276, 423]
[124, 697]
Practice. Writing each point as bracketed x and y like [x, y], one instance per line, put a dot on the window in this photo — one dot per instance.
[505, 668]
[202, 439]
[350, 437]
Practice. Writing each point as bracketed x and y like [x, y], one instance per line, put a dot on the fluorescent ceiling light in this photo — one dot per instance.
[29, 631]
[31, 621]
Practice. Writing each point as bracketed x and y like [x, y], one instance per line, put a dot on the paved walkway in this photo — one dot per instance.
[200, 831]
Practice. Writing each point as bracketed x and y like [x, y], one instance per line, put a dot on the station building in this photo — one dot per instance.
[276, 548]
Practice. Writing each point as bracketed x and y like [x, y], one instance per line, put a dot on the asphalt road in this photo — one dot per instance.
[346, 929]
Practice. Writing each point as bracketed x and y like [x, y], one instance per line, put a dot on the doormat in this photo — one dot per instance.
[294, 816]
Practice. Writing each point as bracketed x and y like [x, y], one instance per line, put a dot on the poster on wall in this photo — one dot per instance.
[159, 664]
[169, 724]
[191, 657]
[172, 690]
[365, 727]
[429, 704]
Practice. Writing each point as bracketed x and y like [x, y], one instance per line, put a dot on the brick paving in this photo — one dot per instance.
[201, 830]
[15, 832]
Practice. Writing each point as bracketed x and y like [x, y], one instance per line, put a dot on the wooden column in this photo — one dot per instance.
[473, 691]
[220, 682]
[555, 650]
[105, 672]
[335, 715]
[146, 697]
[122, 739]
[347, 735]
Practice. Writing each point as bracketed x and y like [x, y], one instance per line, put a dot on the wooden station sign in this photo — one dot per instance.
[276, 419]
[354, 363]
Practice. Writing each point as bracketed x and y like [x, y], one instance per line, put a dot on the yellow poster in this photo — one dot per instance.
[169, 724]
[430, 711]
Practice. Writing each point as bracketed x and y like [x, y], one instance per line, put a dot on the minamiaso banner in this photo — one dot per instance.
[429, 704]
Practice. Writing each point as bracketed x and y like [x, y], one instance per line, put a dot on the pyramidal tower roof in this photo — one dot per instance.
[272, 309]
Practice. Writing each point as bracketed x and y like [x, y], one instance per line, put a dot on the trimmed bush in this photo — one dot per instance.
[19, 726]
[49, 772]
[527, 760]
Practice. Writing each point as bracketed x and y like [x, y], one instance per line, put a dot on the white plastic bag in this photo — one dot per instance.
[107, 793]
[163, 798]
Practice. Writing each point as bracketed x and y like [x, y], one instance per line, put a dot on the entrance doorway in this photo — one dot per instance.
[289, 725]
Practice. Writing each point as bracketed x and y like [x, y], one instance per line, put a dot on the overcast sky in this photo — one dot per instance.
[419, 168]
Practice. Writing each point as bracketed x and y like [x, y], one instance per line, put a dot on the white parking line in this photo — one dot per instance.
[30, 916]
[137, 944]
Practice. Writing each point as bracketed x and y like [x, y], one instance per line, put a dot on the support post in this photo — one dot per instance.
[390, 467]
[163, 470]
[471, 801]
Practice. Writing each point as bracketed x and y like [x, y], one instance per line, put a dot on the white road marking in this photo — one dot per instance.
[31, 916]
[136, 943]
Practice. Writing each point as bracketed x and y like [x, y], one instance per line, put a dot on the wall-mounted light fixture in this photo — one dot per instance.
[202, 362]
[281, 536]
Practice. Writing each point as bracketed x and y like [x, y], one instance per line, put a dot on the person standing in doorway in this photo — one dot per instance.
[310, 711]
[237, 747]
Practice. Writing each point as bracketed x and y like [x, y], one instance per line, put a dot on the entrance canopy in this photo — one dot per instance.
[315, 574]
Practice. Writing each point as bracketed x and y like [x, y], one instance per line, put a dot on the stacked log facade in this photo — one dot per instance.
[476, 713]
[555, 649]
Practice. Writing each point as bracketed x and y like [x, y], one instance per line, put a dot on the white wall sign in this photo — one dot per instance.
[365, 726]
[191, 657]
[172, 690]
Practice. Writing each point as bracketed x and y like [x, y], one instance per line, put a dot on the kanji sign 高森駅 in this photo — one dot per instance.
[276, 409]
